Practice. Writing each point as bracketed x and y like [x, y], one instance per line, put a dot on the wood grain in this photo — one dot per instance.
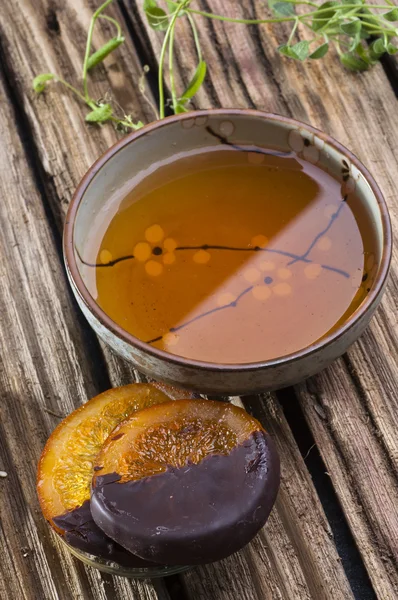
[49, 36]
[360, 110]
[359, 467]
[285, 552]
[295, 556]
[48, 367]
[41, 36]
[120, 373]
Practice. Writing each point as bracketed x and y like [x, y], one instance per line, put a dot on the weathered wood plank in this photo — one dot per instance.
[294, 555]
[361, 111]
[66, 148]
[47, 36]
[45, 370]
[41, 36]
[359, 465]
[285, 552]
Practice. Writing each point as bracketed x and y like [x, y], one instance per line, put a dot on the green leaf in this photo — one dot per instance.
[355, 41]
[301, 50]
[352, 2]
[320, 51]
[128, 123]
[371, 19]
[281, 9]
[195, 83]
[391, 15]
[180, 108]
[100, 114]
[353, 62]
[364, 35]
[285, 50]
[366, 55]
[362, 53]
[284, 9]
[298, 51]
[377, 49]
[351, 28]
[192, 88]
[100, 55]
[157, 18]
[170, 6]
[149, 4]
[391, 49]
[323, 17]
[39, 82]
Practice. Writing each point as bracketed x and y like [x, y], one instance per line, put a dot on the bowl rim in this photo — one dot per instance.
[119, 332]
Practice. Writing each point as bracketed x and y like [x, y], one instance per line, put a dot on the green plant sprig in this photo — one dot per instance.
[360, 32]
[100, 112]
[343, 23]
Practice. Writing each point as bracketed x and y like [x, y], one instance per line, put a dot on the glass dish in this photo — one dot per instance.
[115, 569]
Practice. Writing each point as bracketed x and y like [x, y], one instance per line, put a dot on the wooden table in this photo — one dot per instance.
[334, 531]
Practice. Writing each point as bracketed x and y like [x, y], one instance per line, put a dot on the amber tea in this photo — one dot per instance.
[234, 256]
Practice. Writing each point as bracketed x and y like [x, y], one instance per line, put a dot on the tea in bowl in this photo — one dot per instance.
[228, 251]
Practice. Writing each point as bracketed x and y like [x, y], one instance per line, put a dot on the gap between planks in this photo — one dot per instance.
[45, 363]
[118, 371]
[359, 110]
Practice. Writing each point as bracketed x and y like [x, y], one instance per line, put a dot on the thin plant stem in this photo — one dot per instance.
[142, 88]
[393, 30]
[378, 31]
[335, 19]
[88, 45]
[160, 72]
[162, 55]
[70, 87]
[325, 24]
[338, 48]
[293, 31]
[171, 69]
[283, 19]
[195, 36]
[243, 21]
[307, 2]
[115, 23]
[123, 122]
[296, 2]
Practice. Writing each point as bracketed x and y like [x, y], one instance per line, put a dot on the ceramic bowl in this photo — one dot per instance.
[113, 173]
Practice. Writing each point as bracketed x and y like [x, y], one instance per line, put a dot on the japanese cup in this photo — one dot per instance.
[163, 139]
